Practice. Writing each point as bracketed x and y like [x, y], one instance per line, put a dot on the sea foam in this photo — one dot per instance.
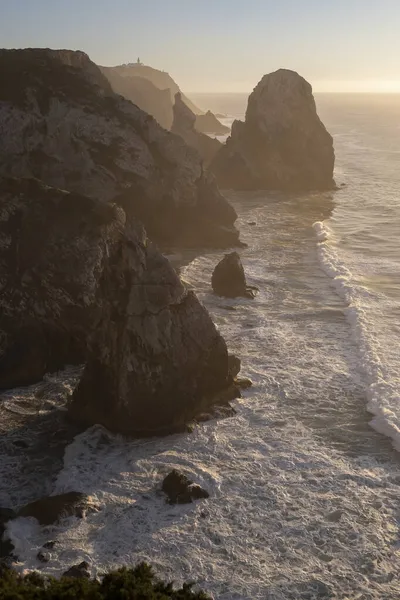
[383, 399]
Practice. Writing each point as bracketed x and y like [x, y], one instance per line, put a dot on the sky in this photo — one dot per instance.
[223, 45]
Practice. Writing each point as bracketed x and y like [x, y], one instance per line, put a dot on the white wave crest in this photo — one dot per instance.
[382, 394]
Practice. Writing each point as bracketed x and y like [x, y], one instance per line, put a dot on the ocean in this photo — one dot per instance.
[304, 479]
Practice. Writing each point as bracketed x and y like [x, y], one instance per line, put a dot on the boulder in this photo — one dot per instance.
[209, 123]
[180, 489]
[184, 125]
[81, 571]
[51, 509]
[63, 124]
[228, 278]
[80, 282]
[282, 144]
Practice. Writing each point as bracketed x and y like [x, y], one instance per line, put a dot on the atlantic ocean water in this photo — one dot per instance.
[304, 481]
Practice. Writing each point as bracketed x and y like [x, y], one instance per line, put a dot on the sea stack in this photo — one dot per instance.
[282, 144]
[184, 125]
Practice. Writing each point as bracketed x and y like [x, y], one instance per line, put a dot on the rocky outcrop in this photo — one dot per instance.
[51, 509]
[62, 123]
[156, 359]
[160, 79]
[80, 571]
[79, 281]
[282, 144]
[181, 490]
[208, 123]
[228, 279]
[184, 126]
[142, 92]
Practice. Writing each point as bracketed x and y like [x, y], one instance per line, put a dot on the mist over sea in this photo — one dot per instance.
[304, 480]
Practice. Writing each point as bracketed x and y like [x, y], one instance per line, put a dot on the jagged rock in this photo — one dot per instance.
[184, 126]
[51, 509]
[243, 383]
[282, 144]
[81, 571]
[63, 124]
[209, 123]
[228, 278]
[75, 273]
[234, 365]
[181, 490]
[156, 359]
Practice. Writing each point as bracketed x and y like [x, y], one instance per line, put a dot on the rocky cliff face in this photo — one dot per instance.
[62, 123]
[184, 126]
[143, 93]
[160, 79]
[282, 144]
[79, 281]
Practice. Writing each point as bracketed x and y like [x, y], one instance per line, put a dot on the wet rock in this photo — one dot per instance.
[243, 383]
[181, 490]
[43, 557]
[49, 545]
[282, 144]
[234, 365]
[63, 124]
[51, 509]
[184, 125]
[80, 571]
[229, 280]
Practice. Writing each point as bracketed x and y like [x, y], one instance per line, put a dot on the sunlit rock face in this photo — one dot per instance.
[282, 144]
[80, 282]
[61, 122]
[184, 125]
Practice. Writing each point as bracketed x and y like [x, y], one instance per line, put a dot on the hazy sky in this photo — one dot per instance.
[223, 45]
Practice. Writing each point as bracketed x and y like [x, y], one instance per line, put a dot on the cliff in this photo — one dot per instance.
[282, 144]
[143, 93]
[63, 124]
[81, 282]
[208, 123]
[184, 126]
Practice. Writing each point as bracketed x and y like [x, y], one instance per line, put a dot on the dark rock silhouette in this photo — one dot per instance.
[81, 281]
[229, 280]
[63, 124]
[181, 490]
[209, 123]
[184, 126]
[51, 509]
[81, 571]
[282, 144]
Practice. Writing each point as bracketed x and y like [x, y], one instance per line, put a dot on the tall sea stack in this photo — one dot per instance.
[282, 144]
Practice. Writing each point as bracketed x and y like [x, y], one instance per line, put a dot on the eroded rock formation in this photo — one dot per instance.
[229, 280]
[79, 281]
[184, 126]
[62, 123]
[282, 144]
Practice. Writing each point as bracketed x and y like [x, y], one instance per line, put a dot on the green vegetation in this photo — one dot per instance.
[139, 583]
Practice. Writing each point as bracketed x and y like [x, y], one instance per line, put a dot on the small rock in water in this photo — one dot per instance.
[252, 223]
[80, 571]
[49, 545]
[51, 509]
[180, 489]
[44, 557]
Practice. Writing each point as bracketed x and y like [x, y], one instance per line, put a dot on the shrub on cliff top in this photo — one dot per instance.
[139, 583]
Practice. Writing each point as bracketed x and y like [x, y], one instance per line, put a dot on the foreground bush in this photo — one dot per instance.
[125, 584]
